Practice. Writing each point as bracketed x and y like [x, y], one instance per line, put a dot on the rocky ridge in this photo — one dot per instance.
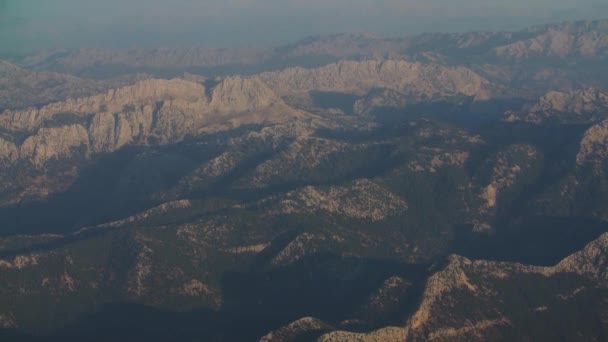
[467, 284]
[359, 78]
[577, 106]
[164, 111]
[21, 88]
[586, 39]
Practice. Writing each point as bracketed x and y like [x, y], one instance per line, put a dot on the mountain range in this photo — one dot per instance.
[438, 187]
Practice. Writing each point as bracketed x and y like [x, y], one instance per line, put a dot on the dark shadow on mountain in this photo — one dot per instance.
[460, 111]
[558, 144]
[334, 100]
[256, 302]
[113, 186]
[339, 170]
[542, 241]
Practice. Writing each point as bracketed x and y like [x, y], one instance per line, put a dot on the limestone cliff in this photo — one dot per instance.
[150, 111]
[51, 143]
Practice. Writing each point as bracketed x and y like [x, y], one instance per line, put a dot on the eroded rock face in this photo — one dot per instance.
[54, 143]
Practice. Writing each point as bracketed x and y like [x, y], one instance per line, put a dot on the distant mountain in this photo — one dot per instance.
[573, 39]
[21, 88]
[414, 79]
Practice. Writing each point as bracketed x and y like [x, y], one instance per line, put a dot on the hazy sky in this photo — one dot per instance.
[31, 24]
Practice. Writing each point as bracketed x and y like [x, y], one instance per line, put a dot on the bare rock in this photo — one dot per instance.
[53, 143]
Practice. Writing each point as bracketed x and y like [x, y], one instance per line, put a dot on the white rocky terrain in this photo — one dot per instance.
[163, 111]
